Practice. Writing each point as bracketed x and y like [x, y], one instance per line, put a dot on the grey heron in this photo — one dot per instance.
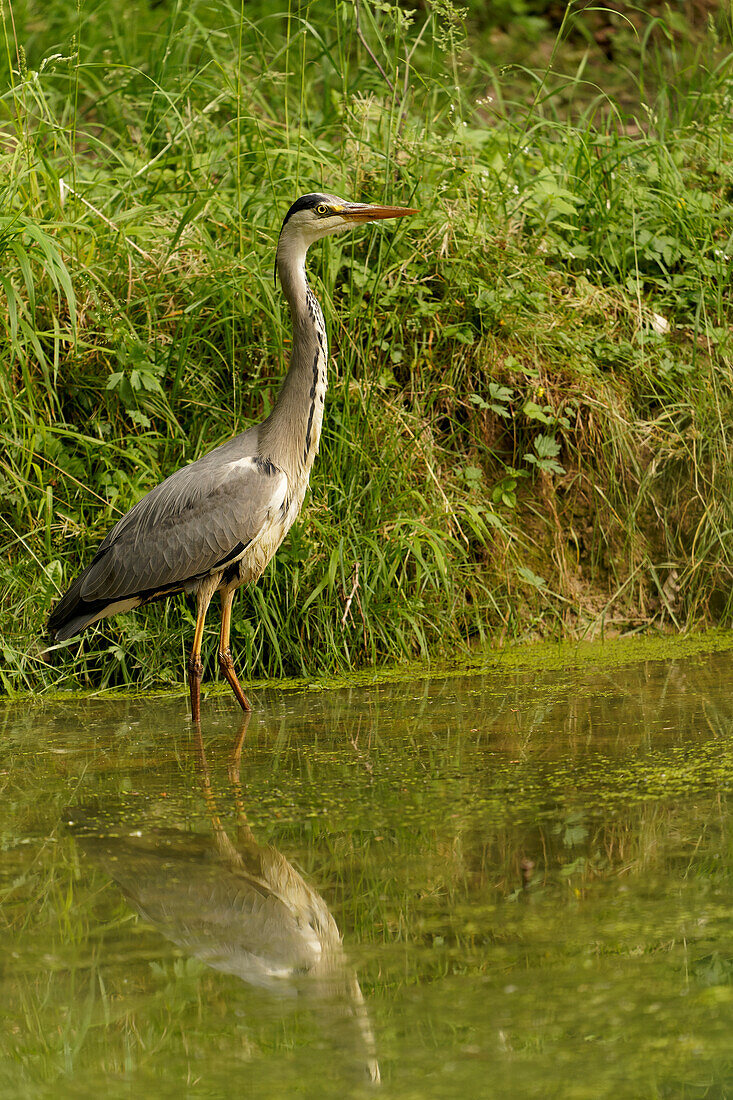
[214, 525]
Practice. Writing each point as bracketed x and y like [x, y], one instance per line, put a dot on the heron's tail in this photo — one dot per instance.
[72, 613]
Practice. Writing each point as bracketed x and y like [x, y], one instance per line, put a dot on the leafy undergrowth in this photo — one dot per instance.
[527, 429]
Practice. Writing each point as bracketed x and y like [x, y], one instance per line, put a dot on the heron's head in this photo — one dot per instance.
[314, 216]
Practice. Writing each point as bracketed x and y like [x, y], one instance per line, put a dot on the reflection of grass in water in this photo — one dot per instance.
[413, 828]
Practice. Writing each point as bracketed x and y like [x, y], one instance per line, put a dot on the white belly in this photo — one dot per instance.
[255, 558]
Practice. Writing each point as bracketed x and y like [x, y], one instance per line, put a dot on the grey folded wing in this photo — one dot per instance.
[192, 523]
[195, 522]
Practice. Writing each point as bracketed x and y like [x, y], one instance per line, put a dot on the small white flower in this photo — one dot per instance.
[51, 58]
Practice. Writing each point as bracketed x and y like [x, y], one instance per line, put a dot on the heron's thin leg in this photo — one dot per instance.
[195, 664]
[226, 664]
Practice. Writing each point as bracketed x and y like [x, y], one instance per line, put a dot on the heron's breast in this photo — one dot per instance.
[253, 562]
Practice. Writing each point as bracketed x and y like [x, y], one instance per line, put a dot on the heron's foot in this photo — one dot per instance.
[226, 664]
[195, 673]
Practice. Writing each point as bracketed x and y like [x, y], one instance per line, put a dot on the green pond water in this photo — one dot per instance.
[531, 872]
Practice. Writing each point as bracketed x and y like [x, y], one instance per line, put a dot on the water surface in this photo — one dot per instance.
[532, 874]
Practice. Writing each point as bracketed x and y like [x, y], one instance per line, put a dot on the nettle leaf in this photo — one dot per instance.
[550, 196]
[536, 412]
[463, 333]
[499, 396]
[149, 382]
[547, 448]
[504, 492]
[473, 474]
[500, 393]
[530, 577]
[119, 383]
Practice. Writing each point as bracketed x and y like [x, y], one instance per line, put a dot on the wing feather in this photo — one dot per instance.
[188, 524]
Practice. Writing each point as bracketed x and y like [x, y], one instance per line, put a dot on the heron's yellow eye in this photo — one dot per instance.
[321, 208]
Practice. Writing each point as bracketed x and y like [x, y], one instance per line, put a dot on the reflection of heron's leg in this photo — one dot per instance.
[234, 761]
[226, 664]
[236, 754]
[361, 1016]
[223, 842]
[206, 787]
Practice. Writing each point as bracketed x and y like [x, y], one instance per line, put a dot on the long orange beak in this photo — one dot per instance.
[365, 212]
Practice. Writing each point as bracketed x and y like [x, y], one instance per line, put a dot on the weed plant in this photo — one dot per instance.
[527, 427]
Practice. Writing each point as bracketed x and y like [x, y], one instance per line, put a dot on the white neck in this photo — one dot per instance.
[291, 434]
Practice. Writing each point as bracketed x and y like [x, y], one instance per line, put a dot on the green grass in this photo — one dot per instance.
[527, 428]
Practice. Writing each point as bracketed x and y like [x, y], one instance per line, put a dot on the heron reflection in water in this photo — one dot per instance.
[246, 912]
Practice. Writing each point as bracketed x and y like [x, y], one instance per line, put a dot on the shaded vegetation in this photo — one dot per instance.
[527, 430]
